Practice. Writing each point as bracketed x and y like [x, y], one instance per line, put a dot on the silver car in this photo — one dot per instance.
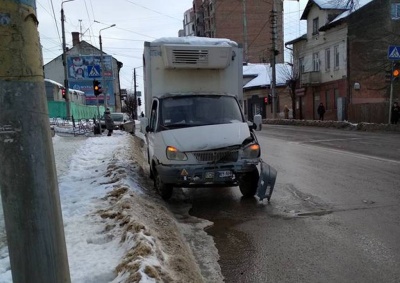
[122, 122]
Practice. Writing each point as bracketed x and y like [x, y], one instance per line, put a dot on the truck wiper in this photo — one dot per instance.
[180, 125]
[164, 127]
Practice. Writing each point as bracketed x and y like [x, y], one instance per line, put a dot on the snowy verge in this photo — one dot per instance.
[127, 238]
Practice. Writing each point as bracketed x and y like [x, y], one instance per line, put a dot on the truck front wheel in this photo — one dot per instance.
[164, 190]
[248, 183]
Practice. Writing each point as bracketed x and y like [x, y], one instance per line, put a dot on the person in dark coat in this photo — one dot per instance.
[109, 122]
[321, 111]
[395, 113]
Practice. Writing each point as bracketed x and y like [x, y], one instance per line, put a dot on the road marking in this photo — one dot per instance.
[348, 153]
[315, 141]
[322, 212]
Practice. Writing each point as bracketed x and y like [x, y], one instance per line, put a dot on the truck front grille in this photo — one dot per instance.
[217, 156]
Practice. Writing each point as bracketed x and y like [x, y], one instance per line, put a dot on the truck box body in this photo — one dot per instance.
[191, 64]
[196, 132]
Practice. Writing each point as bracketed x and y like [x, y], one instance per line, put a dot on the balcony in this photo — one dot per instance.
[310, 78]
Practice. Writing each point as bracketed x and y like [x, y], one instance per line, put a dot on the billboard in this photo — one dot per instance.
[82, 70]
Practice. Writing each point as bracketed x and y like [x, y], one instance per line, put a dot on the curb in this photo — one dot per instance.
[363, 126]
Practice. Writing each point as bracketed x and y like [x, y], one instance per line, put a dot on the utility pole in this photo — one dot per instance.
[64, 48]
[273, 61]
[102, 67]
[134, 91]
[28, 177]
[246, 51]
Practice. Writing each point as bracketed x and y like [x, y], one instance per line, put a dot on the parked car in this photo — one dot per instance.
[122, 122]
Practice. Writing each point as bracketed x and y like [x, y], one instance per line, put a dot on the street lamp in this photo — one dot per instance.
[102, 66]
[64, 48]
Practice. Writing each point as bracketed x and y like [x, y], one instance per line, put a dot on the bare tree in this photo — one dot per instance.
[291, 75]
[130, 106]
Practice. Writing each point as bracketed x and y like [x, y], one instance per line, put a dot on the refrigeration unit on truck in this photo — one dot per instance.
[195, 129]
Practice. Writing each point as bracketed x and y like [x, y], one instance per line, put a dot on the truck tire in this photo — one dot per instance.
[248, 183]
[164, 190]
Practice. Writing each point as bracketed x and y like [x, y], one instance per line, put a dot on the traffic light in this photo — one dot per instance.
[64, 93]
[139, 101]
[266, 100]
[396, 70]
[97, 87]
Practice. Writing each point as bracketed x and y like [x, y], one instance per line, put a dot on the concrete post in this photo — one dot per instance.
[28, 179]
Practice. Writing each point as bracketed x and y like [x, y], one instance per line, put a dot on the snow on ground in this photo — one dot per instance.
[117, 229]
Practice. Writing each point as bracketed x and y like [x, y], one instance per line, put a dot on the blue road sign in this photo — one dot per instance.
[394, 52]
[94, 71]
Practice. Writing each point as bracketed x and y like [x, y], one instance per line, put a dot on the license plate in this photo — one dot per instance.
[223, 174]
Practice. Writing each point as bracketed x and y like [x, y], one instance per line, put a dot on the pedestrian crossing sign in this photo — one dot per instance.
[94, 71]
[394, 52]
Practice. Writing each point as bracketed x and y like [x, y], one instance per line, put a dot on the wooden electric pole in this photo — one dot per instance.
[135, 93]
[245, 39]
[28, 178]
[273, 61]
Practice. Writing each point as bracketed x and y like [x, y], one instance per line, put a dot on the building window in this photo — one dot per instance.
[327, 59]
[316, 62]
[315, 26]
[327, 101]
[301, 65]
[336, 94]
[395, 11]
[336, 51]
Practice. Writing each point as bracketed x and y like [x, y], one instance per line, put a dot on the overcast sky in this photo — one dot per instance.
[136, 21]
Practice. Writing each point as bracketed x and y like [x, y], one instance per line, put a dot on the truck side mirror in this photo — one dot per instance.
[252, 126]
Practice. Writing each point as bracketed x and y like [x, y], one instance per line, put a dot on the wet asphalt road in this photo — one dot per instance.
[334, 215]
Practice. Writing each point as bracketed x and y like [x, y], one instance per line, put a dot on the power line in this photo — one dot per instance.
[152, 10]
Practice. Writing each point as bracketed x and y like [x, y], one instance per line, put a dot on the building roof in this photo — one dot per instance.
[298, 39]
[54, 82]
[70, 90]
[324, 5]
[262, 74]
[83, 42]
[343, 16]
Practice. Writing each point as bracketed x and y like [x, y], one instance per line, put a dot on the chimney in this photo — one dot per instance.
[75, 38]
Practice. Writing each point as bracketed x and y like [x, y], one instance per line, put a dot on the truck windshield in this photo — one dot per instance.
[200, 110]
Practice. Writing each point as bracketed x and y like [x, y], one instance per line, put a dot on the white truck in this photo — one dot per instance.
[195, 129]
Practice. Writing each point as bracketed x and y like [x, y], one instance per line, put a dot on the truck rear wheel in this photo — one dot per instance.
[248, 183]
[164, 190]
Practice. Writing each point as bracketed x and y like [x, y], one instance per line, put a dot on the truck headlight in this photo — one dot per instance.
[175, 154]
[251, 151]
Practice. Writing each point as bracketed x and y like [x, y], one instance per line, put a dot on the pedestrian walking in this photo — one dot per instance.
[321, 111]
[109, 122]
[286, 111]
[395, 113]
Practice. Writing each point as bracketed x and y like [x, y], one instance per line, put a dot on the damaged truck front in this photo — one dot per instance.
[195, 129]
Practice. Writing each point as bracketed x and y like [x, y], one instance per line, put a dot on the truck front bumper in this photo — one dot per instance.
[204, 175]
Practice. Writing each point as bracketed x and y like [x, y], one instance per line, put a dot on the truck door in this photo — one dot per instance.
[150, 135]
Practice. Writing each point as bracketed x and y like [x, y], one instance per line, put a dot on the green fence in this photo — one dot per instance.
[58, 109]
